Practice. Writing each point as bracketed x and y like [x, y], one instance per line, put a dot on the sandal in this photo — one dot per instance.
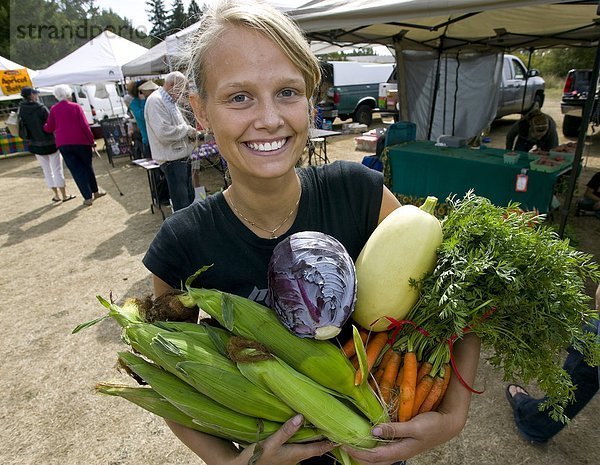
[513, 398]
[56, 199]
[68, 197]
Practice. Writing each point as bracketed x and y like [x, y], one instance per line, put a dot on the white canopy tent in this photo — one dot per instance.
[98, 60]
[437, 43]
[451, 28]
[5, 64]
[150, 63]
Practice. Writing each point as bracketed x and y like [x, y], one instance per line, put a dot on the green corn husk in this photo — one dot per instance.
[204, 411]
[198, 363]
[218, 337]
[153, 402]
[321, 361]
[337, 421]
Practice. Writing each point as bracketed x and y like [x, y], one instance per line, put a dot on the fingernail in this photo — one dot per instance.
[377, 431]
[297, 420]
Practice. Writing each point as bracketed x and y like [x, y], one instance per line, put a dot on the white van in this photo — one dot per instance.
[97, 100]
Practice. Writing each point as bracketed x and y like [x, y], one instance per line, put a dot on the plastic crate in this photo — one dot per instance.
[536, 166]
[568, 156]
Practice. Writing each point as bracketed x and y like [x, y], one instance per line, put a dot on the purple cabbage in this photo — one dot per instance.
[312, 284]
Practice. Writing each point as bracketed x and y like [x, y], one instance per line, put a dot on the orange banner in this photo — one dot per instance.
[13, 80]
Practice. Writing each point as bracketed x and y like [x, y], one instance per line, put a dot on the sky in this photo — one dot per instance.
[135, 10]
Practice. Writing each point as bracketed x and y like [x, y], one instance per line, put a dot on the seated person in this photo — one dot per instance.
[534, 129]
[591, 197]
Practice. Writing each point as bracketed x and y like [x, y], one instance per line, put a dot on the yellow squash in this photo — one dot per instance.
[403, 247]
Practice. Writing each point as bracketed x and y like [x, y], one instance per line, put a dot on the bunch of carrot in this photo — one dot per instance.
[407, 381]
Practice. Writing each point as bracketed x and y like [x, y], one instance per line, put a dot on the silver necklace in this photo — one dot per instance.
[252, 223]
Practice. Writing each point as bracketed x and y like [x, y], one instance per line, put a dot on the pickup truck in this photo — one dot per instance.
[575, 92]
[350, 90]
[515, 79]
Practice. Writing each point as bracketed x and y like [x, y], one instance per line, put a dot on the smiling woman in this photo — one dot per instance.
[254, 77]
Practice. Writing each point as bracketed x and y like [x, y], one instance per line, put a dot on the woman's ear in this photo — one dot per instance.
[199, 110]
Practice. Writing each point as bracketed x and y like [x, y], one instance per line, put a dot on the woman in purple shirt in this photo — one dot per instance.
[74, 139]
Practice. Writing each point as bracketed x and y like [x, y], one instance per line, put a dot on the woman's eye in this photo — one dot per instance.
[288, 93]
[240, 98]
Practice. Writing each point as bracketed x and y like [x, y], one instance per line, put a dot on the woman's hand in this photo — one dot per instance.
[274, 449]
[409, 438]
[430, 429]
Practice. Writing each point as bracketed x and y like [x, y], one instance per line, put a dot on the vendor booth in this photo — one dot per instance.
[450, 32]
[417, 169]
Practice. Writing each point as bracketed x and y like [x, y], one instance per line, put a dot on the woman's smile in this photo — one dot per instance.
[267, 147]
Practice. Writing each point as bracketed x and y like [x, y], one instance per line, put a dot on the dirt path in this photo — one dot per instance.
[57, 258]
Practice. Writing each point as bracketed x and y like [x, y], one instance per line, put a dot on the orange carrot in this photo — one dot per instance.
[386, 356]
[354, 361]
[447, 376]
[433, 396]
[399, 377]
[373, 349]
[407, 387]
[379, 375]
[386, 385]
[349, 349]
[423, 388]
[424, 369]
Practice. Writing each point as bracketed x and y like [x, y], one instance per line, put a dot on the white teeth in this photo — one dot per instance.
[267, 146]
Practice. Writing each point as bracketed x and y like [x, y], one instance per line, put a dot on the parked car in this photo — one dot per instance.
[575, 93]
[350, 90]
[516, 82]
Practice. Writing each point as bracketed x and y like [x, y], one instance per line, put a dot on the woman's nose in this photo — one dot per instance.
[270, 116]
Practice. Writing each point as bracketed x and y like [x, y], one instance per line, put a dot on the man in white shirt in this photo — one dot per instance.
[171, 138]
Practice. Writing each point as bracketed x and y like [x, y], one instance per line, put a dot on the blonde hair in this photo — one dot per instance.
[260, 17]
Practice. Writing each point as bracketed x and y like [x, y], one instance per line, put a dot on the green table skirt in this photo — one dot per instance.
[418, 169]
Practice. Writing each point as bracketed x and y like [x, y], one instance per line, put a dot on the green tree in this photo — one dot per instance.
[42, 32]
[5, 28]
[158, 18]
[177, 18]
[194, 12]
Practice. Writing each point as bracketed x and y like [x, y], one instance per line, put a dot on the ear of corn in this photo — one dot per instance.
[210, 373]
[218, 336]
[152, 401]
[204, 411]
[319, 360]
[334, 418]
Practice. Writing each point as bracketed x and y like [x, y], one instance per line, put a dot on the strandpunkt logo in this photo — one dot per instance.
[81, 31]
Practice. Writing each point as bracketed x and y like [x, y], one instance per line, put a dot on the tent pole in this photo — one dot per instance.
[436, 86]
[585, 122]
[526, 79]
[401, 82]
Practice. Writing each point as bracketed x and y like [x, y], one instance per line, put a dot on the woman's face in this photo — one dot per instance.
[255, 105]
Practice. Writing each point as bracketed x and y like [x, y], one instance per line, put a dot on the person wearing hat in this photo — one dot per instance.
[139, 91]
[534, 129]
[33, 116]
